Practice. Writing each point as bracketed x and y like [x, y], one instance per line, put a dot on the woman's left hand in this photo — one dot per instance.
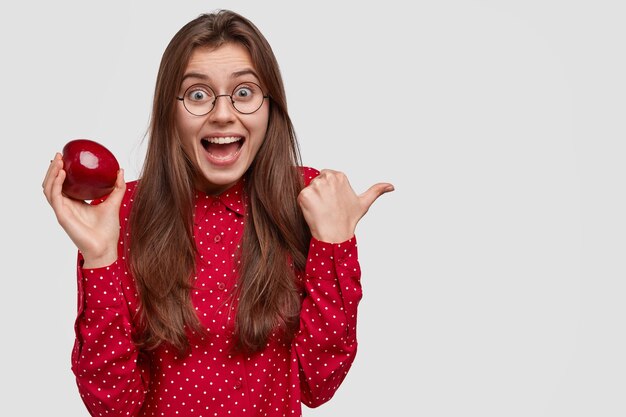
[332, 209]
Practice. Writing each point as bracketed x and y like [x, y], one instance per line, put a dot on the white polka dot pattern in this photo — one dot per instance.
[116, 379]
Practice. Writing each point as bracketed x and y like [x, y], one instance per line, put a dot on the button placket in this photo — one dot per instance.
[217, 208]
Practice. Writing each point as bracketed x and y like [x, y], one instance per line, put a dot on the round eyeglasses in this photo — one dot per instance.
[246, 98]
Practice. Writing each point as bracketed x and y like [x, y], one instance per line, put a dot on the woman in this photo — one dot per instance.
[224, 282]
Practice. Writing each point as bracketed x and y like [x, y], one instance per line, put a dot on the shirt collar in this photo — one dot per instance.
[233, 198]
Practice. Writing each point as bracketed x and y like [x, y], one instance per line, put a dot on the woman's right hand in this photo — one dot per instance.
[94, 229]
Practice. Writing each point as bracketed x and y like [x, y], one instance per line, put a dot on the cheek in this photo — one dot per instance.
[185, 128]
[259, 127]
[186, 137]
[182, 124]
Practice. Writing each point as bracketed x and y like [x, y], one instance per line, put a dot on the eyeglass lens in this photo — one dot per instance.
[199, 99]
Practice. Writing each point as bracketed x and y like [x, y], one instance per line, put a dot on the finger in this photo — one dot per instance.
[55, 195]
[51, 168]
[327, 174]
[117, 194]
[375, 191]
[51, 178]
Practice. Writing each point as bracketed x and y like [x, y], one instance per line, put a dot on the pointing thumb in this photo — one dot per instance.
[375, 191]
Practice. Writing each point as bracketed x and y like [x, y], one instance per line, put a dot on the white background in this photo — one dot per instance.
[494, 275]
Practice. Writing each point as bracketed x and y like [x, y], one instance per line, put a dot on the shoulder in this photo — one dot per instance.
[308, 174]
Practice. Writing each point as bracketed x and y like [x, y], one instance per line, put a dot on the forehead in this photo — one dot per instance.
[223, 61]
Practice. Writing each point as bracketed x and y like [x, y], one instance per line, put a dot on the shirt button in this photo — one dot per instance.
[238, 385]
[221, 286]
[217, 238]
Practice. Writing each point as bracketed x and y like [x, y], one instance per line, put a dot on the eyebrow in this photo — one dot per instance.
[236, 74]
[195, 75]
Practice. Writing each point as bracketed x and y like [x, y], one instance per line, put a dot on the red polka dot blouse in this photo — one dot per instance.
[116, 379]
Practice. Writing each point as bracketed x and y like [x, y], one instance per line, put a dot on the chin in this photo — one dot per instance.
[217, 181]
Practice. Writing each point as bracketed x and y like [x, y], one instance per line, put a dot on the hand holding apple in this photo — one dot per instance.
[94, 228]
[91, 170]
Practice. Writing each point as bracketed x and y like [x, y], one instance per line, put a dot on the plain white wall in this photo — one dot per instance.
[493, 275]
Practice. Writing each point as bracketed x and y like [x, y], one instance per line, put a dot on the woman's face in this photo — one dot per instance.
[223, 143]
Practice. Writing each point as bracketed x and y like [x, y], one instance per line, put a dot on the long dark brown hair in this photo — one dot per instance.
[161, 247]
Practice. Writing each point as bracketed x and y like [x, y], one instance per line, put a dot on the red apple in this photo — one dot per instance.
[91, 170]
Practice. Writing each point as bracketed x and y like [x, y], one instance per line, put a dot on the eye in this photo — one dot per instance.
[244, 92]
[199, 94]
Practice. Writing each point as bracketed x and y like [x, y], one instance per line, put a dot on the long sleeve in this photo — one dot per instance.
[110, 374]
[326, 342]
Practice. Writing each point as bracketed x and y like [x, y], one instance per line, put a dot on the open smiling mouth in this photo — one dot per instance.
[223, 148]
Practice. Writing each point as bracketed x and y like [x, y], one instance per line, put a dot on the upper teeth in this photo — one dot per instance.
[222, 140]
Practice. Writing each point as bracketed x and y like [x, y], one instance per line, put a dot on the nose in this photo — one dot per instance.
[223, 110]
